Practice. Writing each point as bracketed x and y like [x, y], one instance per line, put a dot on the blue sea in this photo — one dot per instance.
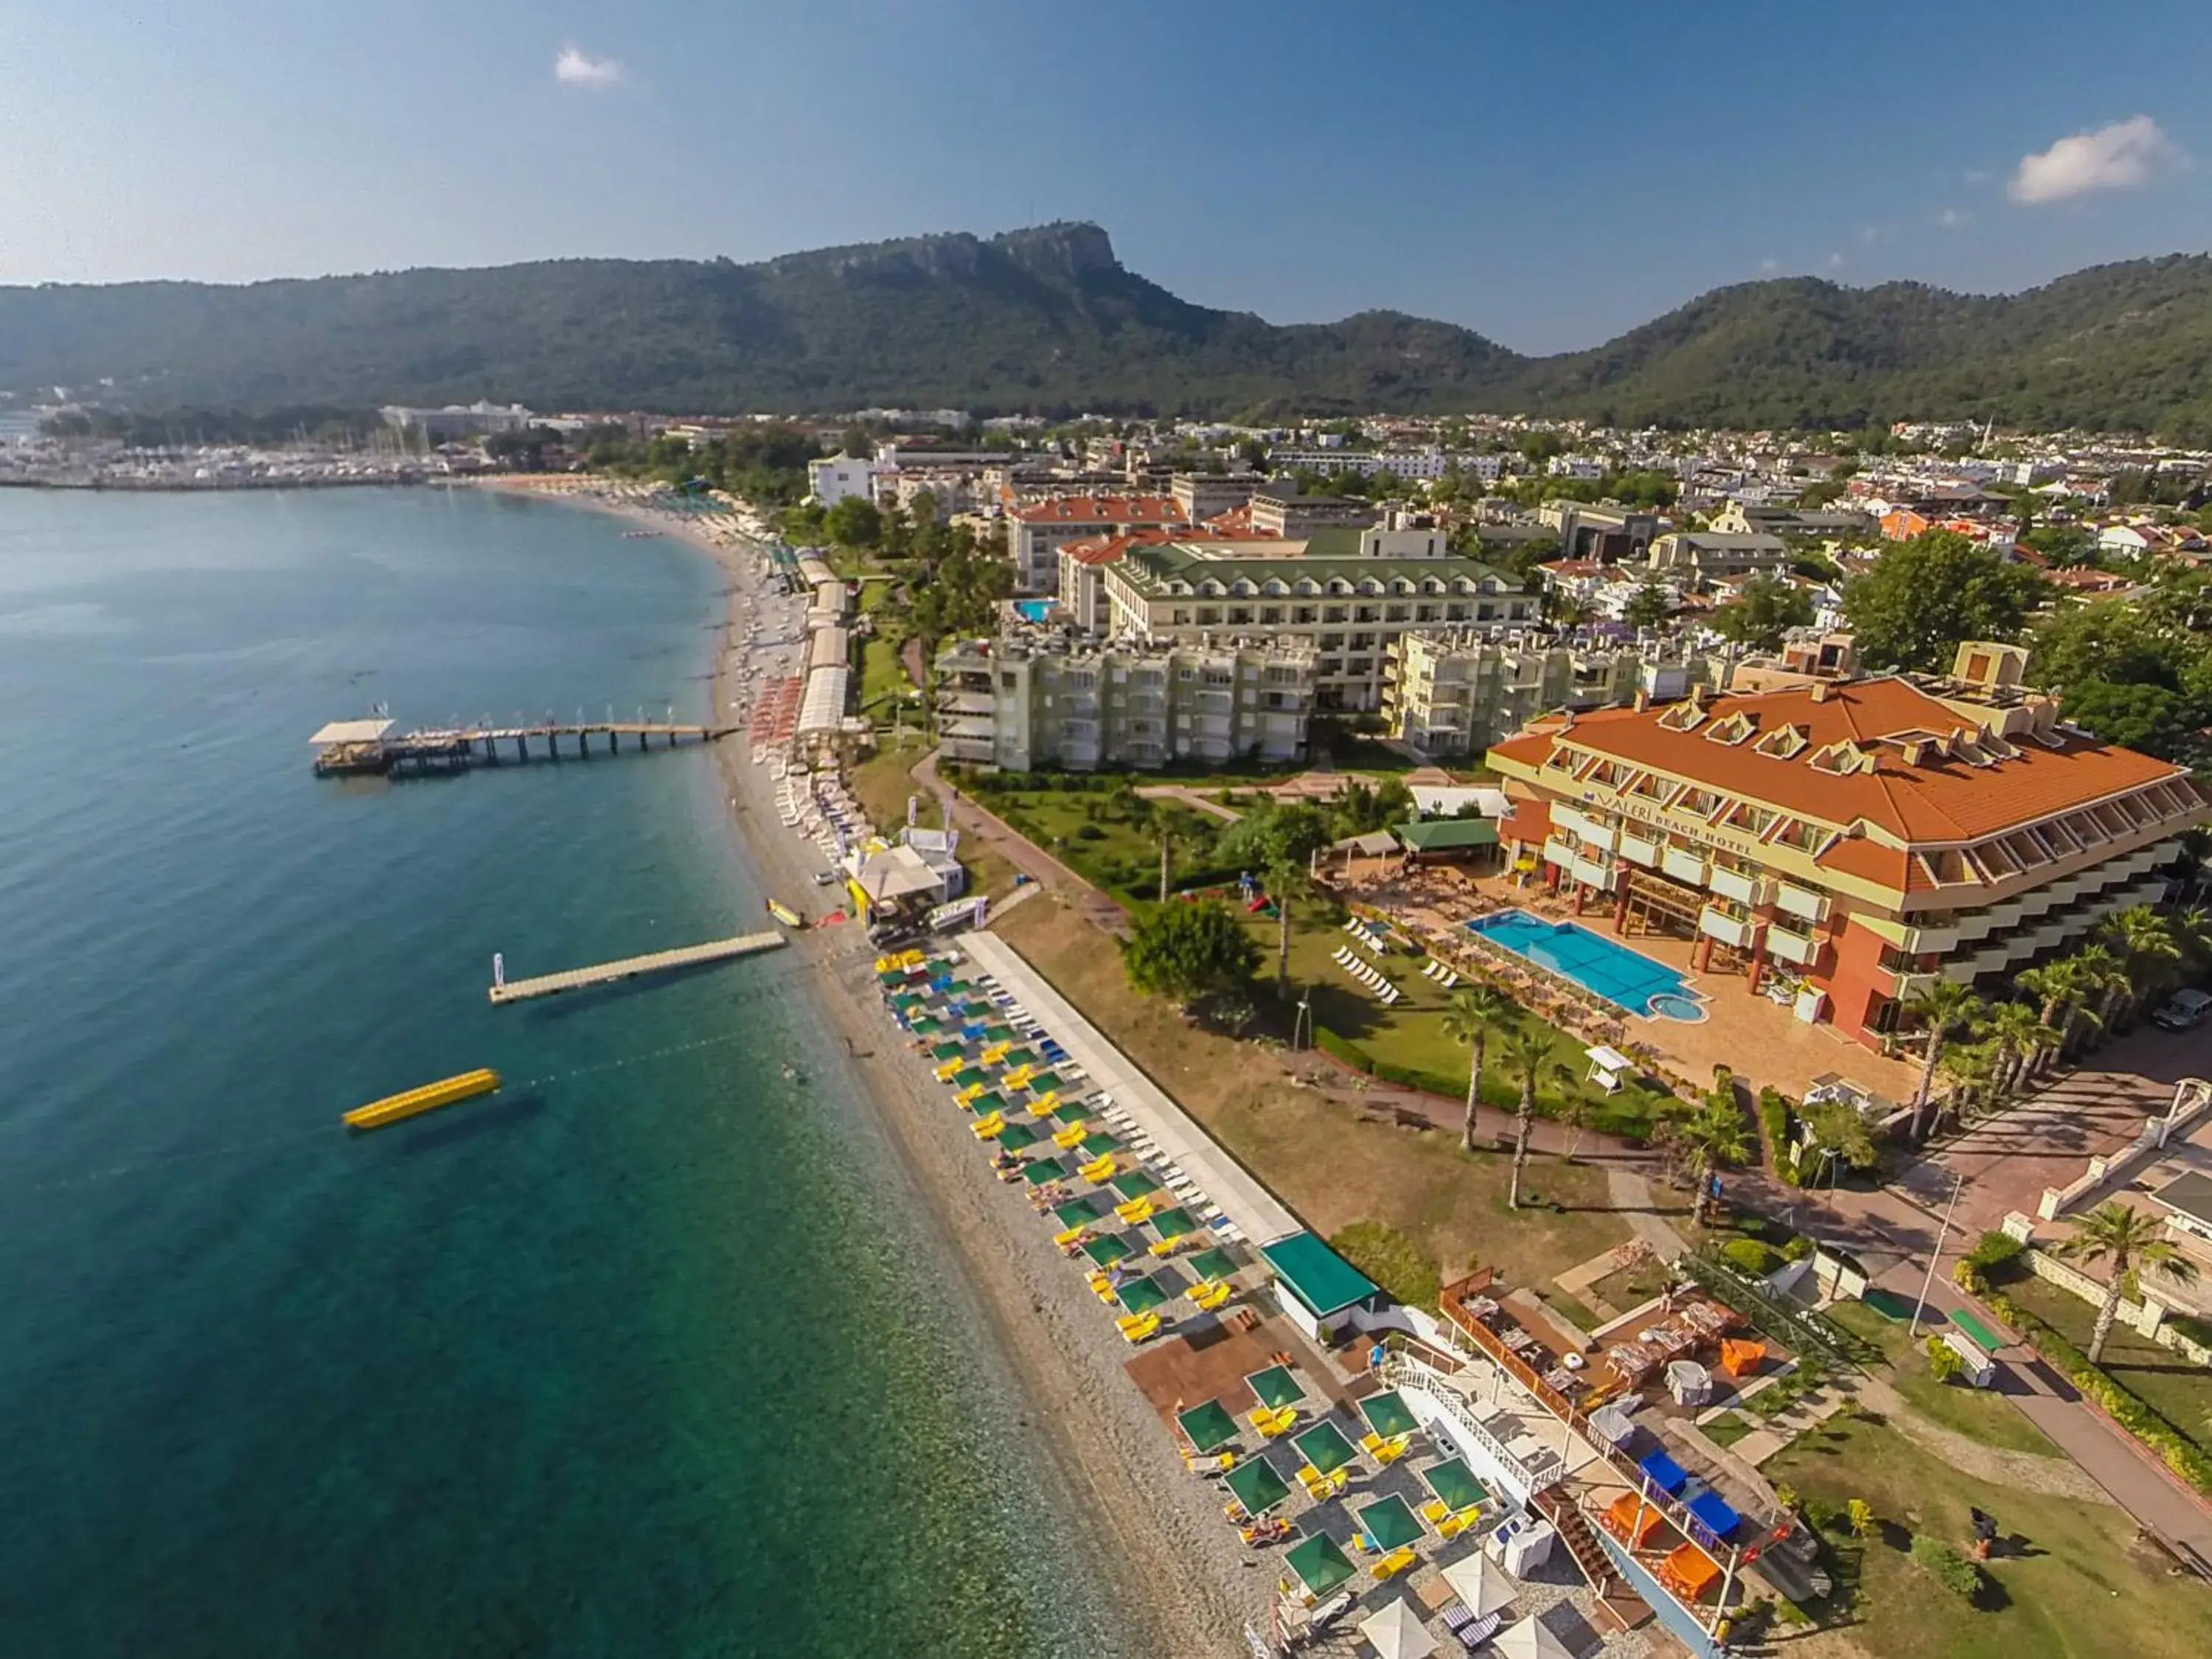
[653, 1352]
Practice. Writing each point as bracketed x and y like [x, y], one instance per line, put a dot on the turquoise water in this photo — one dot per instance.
[647, 1355]
[1627, 978]
[1035, 610]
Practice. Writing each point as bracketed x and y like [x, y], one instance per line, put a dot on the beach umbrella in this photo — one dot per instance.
[1397, 1632]
[1106, 1249]
[947, 1051]
[972, 1077]
[1044, 1083]
[1325, 1447]
[1388, 1415]
[1072, 1111]
[1276, 1387]
[1077, 1212]
[1039, 1170]
[1143, 1295]
[1100, 1144]
[1529, 1639]
[1208, 1427]
[984, 1105]
[1257, 1486]
[1172, 1224]
[1480, 1585]
[1454, 1483]
[1318, 1564]
[1216, 1263]
[1135, 1184]
[1018, 1137]
[1389, 1524]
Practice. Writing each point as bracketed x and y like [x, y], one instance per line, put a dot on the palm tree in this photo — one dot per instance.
[2192, 932]
[1972, 1068]
[2127, 1238]
[1573, 1110]
[1286, 882]
[2144, 941]
[1710, 1136]
[2013, 1029]
[2059, 986]
[1473, 1013]
[1528, 1051]
[2101, 977]
[1944, 1006]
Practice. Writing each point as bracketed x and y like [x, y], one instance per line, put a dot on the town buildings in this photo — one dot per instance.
[1701, 556]
[1041, 528]
[1589, 530]
[1033, 699]
[1456, 693]
[1853, 839]
[480, 419]
[840, 478]
[1345, 595]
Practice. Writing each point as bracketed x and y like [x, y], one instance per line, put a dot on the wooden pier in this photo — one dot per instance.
[371, 746]
[606, 973]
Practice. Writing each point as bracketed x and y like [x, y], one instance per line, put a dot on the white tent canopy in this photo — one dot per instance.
[1482, 1586]
[1397, 1632]
[1529, 1639]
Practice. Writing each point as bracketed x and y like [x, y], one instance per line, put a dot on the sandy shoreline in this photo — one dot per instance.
[1176, 1570]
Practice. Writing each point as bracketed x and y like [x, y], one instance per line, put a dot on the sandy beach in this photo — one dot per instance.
[1188, 1584]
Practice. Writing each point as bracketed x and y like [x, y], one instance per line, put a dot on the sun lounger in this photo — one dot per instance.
[1393, 1564]
[1137, 1327]
[1210, 1295]
[1472, 1632]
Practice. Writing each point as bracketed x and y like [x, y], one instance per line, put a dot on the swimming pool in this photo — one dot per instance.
[1626, 978]
[1035, 610]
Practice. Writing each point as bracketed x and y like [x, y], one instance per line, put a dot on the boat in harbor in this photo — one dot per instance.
[427, 1098]
[784, 914]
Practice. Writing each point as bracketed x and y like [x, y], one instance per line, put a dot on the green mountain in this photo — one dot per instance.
[1048, 319]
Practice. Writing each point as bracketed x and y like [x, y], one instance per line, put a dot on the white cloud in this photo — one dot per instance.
[1976, 176]
[2120, 156]
[1952, 218]
[1835, 262]
[575, 67]
[1770, 266]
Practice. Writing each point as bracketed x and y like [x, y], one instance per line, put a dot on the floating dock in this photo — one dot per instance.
[431, 1095]
[606, 973]
[374, 746]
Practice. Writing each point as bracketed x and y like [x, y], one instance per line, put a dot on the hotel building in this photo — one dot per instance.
[1018, 702]
[1859, 837]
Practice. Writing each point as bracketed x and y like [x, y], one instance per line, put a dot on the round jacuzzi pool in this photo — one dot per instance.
[1671, 1004]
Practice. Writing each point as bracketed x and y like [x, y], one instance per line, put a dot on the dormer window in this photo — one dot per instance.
[1273, 587]
[1731, 729]
[1370, 586]
[1431, 584]
[1841, 759]
[1683, 717]
[1784, 743]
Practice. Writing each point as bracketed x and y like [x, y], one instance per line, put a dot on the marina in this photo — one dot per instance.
[504, 990]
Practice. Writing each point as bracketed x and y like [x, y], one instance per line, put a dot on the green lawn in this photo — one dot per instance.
[1627, 1288]
[2069, 1581]
[1981, 1414]
[1080, 828]
[2162, 1377]
[1410, 1033]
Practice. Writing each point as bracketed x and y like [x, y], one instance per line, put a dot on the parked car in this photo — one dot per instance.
[2184, 1010]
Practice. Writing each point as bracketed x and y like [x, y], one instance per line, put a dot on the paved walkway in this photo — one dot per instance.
[1188, 797]
[962, 812]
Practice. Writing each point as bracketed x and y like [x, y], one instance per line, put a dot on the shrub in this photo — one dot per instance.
[1754, 1257]
[1774, 1119]
[1799, 1246]
[1392, 1259]
[1943, 1361]
[1993, 1250]
[1089, 832]
[1860, 1513]
[1948, 1566]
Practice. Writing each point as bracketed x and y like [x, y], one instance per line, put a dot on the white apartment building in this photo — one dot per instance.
[1458, 693]
[1405, 462]
[838, 478]
[1344, 595]
[1041, 528]
[1019, 702]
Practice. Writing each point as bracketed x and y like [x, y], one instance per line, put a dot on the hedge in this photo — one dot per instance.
[1752, 1256]
[1774, 1118]
[2179, 1453]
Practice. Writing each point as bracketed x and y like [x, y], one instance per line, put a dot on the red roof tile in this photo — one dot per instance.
[1103, 509]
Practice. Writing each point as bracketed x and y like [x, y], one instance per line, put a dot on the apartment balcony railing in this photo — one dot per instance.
[1741, 933]
[1802, 902]
[1802, 949]
[1684, 866]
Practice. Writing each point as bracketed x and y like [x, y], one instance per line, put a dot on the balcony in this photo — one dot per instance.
[1802, 949]
[1593, 872]
[1638, 850]
[1561, 851]
[1743, 889]
[1741, 933]
[1684, 866]
[1801, 902]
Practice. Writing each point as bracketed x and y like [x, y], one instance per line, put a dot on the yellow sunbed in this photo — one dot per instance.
[1070, 1135]
[1098, 1168]
[1393, 1564]
[1136, 1210]
[1210, 1295]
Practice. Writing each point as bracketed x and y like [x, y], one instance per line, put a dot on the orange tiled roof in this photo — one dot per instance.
[1939, 799]
[1103, 509]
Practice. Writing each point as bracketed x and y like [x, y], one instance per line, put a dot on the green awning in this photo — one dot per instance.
[1135, 1184]
[1446, 834]
[1078, 1212]
[1276, 1387]
[968, 1077]
[1171, 1224]
[1389, 1524]
[1018, 1137]
[1389, 1415]
[1099, 1145]
[1014, 1059]
[1321, 1566]
[976, 1010]
[1216, 1263]
[1454, 1483]
[928, 1027]
[891, 976]
[1039, 1170]
[1044, 1083]
[998, 1034]
[1143, 1295]
[984, 1105]
[906, 1001]
[948, 1051]
[1317, 1275]
[1106, 1249]
[1209, 1427]
[1324, 1447]
[1257, 1486]
[1072, 1111]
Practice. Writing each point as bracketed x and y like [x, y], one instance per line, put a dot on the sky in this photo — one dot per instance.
[1547, 174]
